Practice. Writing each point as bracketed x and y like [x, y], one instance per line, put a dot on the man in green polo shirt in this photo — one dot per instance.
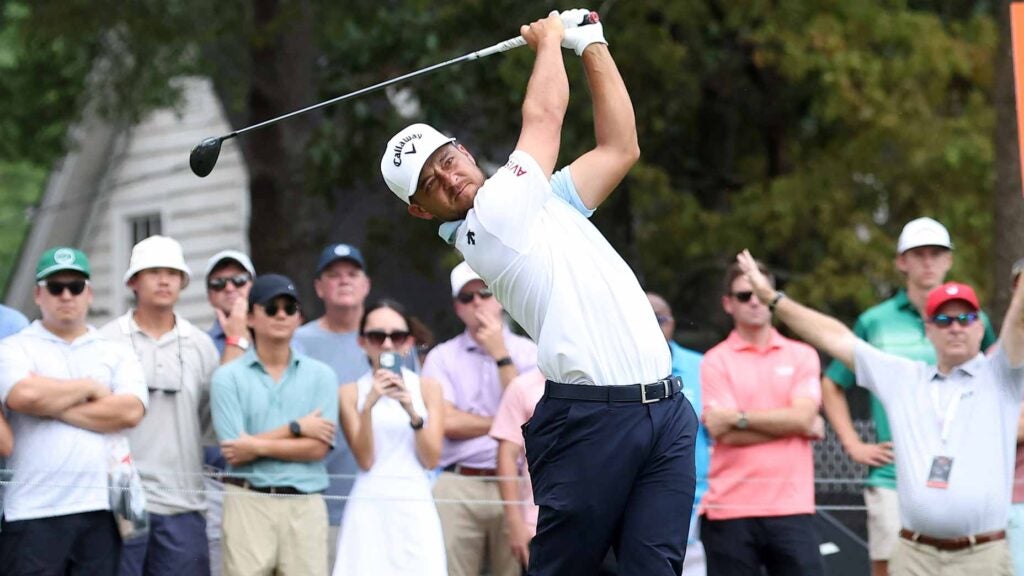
[924, 256]
[275, 412]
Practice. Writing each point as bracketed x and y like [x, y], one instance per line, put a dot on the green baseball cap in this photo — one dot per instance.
[62, 258]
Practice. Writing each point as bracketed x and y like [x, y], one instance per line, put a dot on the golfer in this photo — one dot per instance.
[611, 444]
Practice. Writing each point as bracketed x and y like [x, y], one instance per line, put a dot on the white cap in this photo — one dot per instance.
[462, 275]
[923, 232]
[405, 156]
[157, 252]
[236, 255]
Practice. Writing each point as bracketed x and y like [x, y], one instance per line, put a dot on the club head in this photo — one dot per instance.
[204, 156]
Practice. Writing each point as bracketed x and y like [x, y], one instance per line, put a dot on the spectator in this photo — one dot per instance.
[1015, 526]
[57, 517]
[686, 365]
[924, 256]
[11, 322]
[178, 360]
[516, 409]
[229, 275]
[394, 422]
[275, 412]
[761, 396]
[342, 285]
[474, 368]
[953, 424]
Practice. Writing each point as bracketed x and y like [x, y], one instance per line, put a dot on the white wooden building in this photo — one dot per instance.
[119, 185]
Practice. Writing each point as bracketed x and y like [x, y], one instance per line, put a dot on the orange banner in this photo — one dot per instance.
[1017, 39]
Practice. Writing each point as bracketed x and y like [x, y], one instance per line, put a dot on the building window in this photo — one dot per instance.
[142, 227]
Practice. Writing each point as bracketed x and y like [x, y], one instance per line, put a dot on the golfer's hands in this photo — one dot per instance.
[578, 37]
[762, 287]
[549, 29]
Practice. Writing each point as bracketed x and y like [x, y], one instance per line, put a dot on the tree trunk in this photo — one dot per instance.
[1008, 220]
[288, 221]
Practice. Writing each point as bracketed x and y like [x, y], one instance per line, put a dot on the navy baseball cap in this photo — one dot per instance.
[266, 287]
[336, 252]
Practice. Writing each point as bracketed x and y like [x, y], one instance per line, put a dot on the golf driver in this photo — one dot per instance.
[204, 156]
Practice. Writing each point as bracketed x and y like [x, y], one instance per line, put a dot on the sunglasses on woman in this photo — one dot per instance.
[945, 320]
[56, 287]
[377, 337]
[467, 297]
[218, 284]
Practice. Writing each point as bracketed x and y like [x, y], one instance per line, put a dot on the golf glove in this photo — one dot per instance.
[579, 37]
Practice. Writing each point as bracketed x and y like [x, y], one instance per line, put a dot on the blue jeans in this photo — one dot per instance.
[176, 544]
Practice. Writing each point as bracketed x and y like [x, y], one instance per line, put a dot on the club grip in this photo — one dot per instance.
[591, 18]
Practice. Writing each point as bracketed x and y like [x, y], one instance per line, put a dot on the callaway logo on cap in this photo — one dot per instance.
[405, 156]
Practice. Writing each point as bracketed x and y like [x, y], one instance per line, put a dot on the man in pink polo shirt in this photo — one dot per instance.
[761, 395]
[516, 409]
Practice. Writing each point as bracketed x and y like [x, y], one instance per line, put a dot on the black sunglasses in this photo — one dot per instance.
[377, 337]
[56, 287]
[742, 296]
[945, 320]
[218, 284]
[467, 297]
[290, 308]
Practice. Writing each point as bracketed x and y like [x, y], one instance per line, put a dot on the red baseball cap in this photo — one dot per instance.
[947, 293]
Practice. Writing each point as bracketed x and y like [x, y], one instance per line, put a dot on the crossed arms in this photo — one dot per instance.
[84, 403]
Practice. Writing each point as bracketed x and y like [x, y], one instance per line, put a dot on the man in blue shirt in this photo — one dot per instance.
[275, 412]
[686, 365]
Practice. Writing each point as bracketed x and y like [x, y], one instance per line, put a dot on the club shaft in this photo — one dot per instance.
[359, 92]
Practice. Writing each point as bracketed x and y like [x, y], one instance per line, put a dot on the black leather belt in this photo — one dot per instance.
[643, 393]
[242, 483]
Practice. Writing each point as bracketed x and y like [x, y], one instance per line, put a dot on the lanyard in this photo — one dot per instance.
[951, 408]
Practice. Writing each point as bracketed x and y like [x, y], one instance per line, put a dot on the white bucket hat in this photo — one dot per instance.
[157, 252]
[405, 155]
[462, 275]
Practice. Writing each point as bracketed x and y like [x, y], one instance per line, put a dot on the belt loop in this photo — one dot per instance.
[915, 536]
[972, 540]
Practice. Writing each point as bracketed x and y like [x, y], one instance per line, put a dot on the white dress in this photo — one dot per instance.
[390, 524]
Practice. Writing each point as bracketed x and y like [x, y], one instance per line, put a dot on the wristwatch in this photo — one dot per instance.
[417, 424]
[779, 295]
[502, 362]
[295, 429]
[239, 342]
[742, 422]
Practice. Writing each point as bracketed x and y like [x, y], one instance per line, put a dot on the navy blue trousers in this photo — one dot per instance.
[783, 545]
[176, 544]
[611, 475]
[85, 544]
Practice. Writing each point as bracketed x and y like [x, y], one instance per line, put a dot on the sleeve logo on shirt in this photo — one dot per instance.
[471, 238]
[515, 168]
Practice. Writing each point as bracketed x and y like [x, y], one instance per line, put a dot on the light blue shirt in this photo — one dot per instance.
[11, 321]
[686, 365]
[245, 399]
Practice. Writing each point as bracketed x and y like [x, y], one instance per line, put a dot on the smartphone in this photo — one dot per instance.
[391, 361]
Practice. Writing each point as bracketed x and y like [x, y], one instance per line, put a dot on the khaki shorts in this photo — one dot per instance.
[915, 559]
[883, 521]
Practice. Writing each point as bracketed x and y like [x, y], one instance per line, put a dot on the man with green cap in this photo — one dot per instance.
[65, 388]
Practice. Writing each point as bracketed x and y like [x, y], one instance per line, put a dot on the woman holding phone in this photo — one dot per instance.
[393, 422]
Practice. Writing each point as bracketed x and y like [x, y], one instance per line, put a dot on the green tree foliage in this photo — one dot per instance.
[806, 130]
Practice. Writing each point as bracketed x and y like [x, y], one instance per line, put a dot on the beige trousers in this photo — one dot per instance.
[473, 531]
[273, 535]
[915, 559]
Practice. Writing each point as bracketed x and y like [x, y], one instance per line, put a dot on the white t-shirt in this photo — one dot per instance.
[60, 469]
[981, 401]
[561, 280]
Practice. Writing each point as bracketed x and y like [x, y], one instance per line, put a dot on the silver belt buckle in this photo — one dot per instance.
[643, 395]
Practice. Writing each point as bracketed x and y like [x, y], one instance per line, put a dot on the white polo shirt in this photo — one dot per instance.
[560, 279]
[60, 469]
[980, 400]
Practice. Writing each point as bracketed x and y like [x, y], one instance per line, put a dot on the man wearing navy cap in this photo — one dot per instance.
[275, 412]
[342, 285]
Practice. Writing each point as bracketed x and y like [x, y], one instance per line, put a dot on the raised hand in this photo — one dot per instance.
[549, 29]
